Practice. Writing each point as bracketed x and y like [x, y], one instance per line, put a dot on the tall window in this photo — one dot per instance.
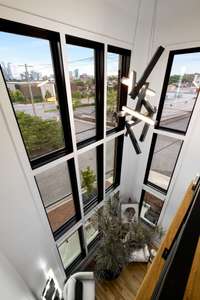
[165, 151]
[113, 89]
[28, 69]
[180, 90]
[86, 64]
[111, 151]
[151, 208]
[56, 192]
[179, 95]
[91, 231]
[70, 250]
[88, 173]
[117, 66]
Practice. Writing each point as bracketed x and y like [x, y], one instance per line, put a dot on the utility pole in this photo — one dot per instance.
[29, 86]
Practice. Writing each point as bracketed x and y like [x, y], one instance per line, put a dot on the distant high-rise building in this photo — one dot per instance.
[76, 73]
[70, 74]
[4, 69]
[35, 76]
[9, 70]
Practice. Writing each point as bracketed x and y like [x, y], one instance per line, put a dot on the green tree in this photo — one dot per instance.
[17, 96]
[88, 179]
[47, 94]
[111, 100]
[40, 136]
[76, 99]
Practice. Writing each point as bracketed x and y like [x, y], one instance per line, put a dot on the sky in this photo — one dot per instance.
[83, 59]
[188, 63]
[20, 50]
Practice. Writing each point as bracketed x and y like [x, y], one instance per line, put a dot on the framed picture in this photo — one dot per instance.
[129, 212]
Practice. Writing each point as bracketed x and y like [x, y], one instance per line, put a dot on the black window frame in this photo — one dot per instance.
[99, 84]
[94, 241]
[119, 144]
[172, 53]
[57, 63]
[141, 203]
[150, 158]
[68, 271]
[88, 205]
[73, 220]
[125, 57]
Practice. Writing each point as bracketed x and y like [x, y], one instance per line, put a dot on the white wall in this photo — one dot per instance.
[12, 285]
[175, 26]
[25, 240]
[112, 18]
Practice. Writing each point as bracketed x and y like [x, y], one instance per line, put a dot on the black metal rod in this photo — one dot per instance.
[147, 72]
[133, 139]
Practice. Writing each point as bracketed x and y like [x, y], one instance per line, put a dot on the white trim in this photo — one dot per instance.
[154, 192]
[69, 233]
[52, 164]
[114, 135]
[73, 132]
[169, 134]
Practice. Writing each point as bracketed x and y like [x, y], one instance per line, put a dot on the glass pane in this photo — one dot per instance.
[91, 231]
[88, 173]
[27, 67]
[151, 208]
[83, 89]
[164, 159]
[113, 88]
[181, 92]
[70, 249]
[110, 162]
[55, 189]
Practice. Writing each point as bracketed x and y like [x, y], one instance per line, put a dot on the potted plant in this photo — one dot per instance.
[139, 234]
[118, 239]
[88, 179]
[112, 253]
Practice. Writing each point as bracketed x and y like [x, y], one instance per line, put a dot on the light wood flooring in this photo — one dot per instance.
[125, 286]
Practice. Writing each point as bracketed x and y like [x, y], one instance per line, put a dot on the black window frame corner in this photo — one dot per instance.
[53, 37]
[125, 58]
[99, 50]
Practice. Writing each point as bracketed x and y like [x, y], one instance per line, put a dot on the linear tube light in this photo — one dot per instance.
[138, 115]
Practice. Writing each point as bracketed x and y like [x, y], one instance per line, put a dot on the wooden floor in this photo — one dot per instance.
[125, 286]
